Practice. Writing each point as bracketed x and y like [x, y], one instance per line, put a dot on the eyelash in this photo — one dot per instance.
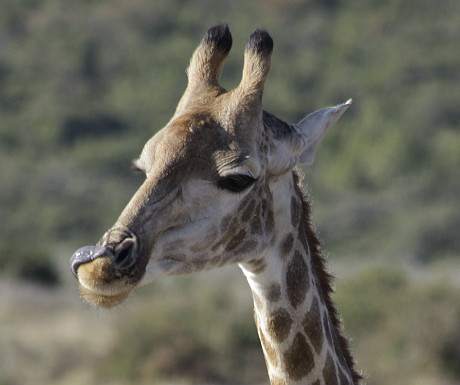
[236, 183]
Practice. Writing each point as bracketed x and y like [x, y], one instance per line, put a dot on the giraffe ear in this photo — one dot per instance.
[308, 133]
[297, 143]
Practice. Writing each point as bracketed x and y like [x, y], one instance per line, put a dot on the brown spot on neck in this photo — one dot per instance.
[274, 292]
[329, 372]
[279, 325]
[312, 326]
[297, 280]
[298, 359]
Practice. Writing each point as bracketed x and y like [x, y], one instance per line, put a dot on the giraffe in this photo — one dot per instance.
[221, 188]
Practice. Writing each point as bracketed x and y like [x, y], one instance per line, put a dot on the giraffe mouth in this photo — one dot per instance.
[104, 278]
[123, 259]
[84, 255]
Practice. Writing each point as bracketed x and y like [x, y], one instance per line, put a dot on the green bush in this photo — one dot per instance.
[405, 323]
[28, 263]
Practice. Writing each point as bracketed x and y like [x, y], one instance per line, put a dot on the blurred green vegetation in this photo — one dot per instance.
[84, 84]
[409, 325]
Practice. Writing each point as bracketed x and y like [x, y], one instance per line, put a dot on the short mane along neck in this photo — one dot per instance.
[296, 320]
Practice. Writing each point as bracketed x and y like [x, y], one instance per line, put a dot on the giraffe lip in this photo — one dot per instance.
[86, 254]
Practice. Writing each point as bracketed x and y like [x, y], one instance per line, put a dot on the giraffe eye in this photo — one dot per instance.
[235, 183]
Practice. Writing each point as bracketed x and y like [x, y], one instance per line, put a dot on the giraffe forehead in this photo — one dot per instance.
[200, 137]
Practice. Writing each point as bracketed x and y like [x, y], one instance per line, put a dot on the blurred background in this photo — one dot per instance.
[83, 85]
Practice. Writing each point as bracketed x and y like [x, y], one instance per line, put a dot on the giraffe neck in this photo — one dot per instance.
[298, 333]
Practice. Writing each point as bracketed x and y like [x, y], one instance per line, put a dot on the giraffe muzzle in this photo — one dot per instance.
[87, 254]
[122, 258]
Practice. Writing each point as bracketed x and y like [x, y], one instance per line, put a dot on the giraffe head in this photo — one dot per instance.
[206, 200]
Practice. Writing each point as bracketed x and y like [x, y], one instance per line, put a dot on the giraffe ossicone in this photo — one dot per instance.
[220, 188]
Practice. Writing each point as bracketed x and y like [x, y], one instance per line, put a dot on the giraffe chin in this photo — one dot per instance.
[106, 301]
[99, 287]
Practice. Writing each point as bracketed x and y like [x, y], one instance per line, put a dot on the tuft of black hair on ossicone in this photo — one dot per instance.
[261, 42]
[220, 37]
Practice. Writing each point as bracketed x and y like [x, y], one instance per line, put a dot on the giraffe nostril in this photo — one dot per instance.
[124, 255]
